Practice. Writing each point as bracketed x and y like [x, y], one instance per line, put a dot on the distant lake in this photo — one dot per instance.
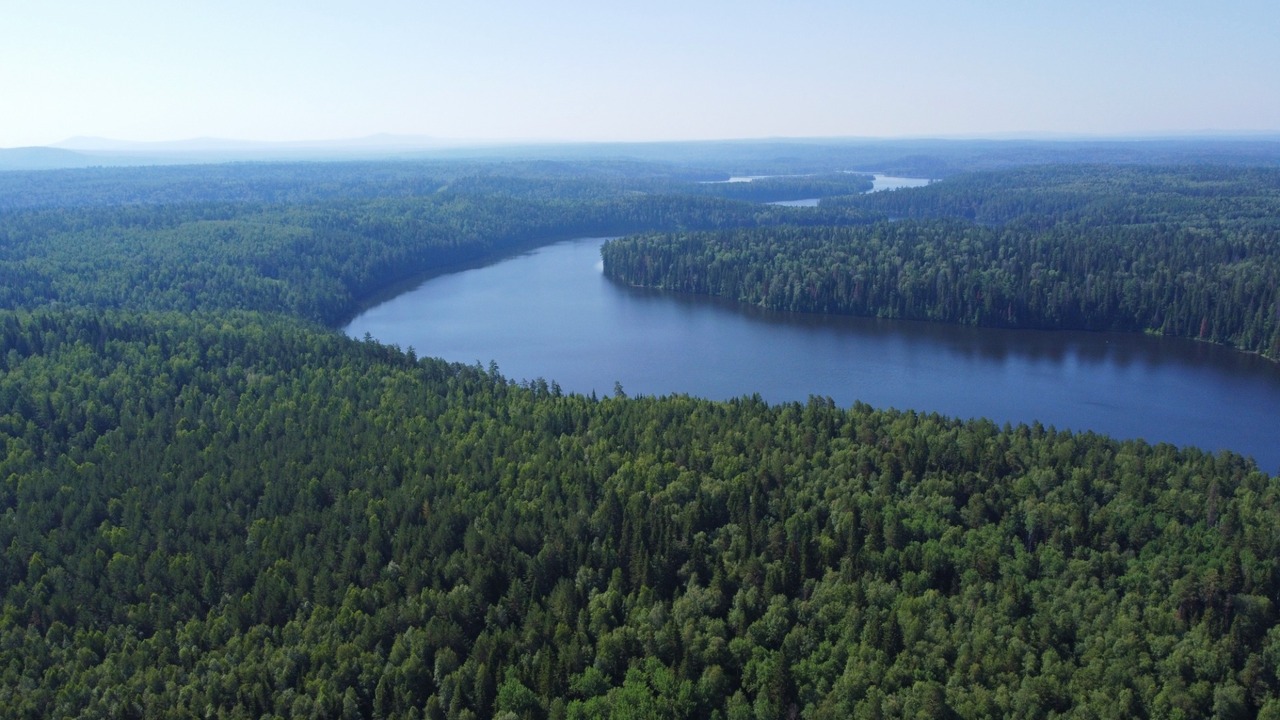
[889, 182]
[551, 313]
[879, 182]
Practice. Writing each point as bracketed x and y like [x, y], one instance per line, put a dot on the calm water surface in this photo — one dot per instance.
[552, 314]
[879, 182]
[889, 182]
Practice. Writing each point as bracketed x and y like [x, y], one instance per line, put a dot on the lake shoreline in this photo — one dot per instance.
[551, 313]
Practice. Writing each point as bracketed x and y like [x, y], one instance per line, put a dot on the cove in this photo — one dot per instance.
[552, 314]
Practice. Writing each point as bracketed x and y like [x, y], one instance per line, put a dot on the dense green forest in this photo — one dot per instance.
[296, 183]
[212, 504]
[241, 515]
[1190, 252]
[148, 245]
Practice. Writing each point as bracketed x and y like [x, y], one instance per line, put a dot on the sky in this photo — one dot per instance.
[564, 70]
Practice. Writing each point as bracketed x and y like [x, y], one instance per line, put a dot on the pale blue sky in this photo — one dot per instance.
[658, 70]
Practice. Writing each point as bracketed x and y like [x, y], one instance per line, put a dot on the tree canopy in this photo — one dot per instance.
[213, 504]
[1189, 252]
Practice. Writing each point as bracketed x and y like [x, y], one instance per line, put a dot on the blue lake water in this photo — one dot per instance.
[551, 313]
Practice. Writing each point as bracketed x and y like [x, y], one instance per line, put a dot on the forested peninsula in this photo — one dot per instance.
[1190, 252]
[213, 504]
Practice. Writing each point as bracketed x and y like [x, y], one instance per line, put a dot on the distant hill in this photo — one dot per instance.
[373, 143]
[932, 158]
[43, 158]
[81, 152]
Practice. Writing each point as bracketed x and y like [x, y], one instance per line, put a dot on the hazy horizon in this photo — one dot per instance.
[87, 143]
[576, 72]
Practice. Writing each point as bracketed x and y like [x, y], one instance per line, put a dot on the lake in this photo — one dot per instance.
[879, 182]
[551, 313]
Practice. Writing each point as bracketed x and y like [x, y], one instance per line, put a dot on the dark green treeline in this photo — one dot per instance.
[212, 505]
[1187, 252]
[237, 515]
[316, 243]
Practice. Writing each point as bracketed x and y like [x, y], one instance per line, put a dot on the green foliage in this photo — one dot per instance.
[238, 514]
[322, 256]
[789, 187]
[210, 506]
[1192, 253]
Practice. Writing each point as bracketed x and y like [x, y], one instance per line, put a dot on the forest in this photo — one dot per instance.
[213, 504]
[300, 241]
[1188, 252]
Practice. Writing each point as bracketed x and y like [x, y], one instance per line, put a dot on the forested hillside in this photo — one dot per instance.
[213, 505]
[1190, 252]
[320, 257]
[238, 515]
